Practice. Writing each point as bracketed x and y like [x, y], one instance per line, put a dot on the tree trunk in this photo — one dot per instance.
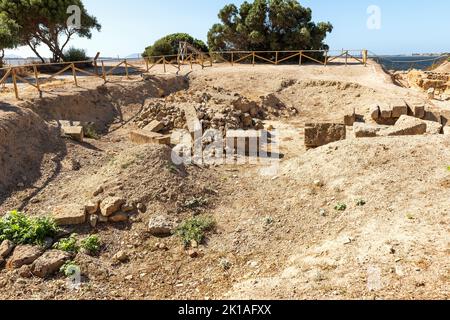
[35, 51]
[2, 55]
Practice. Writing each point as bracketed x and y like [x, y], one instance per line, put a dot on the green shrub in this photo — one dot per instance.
[75, 55]
[195, 229]
[361, 202]
[340, 207]
[20, 229]
[169, 45]
[69, 269]
[69, 245]
[91, 244]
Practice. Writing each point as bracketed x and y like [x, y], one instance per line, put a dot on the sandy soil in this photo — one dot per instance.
[280, 236]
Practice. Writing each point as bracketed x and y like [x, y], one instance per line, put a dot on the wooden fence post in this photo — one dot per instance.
[126, 69]
[232, 58]
[74, 72]
[164, 63]
[146, 64]
[346, 58]
[190, 61]
[37, 78]
[16, 89]
[254, 58]
[276, 58]
[301, 58]
[326, 58]
[103, 71]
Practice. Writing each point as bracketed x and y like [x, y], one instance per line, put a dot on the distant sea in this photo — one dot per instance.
[403, 63]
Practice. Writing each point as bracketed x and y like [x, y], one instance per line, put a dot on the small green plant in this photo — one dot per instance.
[195, 203]
[172, 168]
[225, 264]
[448, 168]
[69, 245]
[340, 207]
[91, 133]
[195, 229]
[361, 202]
[69, 269]
[21, 229]
[268, 221]
[91, 244]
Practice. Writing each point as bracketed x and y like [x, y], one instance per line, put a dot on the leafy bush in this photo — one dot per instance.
[75, 55]
[69, 245]
[195, 229]
[69, 269]
[169, 45]
[20, 229]
[91, 244]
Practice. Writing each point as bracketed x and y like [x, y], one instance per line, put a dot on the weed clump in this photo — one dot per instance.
[195, 229]
[21, 229]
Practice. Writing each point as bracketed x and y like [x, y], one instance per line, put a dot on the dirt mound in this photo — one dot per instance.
[443, 68]
[103, 104]
[24, 140]
[390, 231]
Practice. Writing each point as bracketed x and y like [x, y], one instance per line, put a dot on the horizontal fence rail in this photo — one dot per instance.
[99, 69]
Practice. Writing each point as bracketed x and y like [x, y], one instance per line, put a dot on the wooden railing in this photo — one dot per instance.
[204, 60]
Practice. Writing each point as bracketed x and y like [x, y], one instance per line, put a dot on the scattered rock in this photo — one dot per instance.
[49, 263]
[154, 126]
[99, 191]
[128, 207]
[23, 255]
[25, 272]
[399, 109]
[111, 205]
[320, 134]
[160, 226]
[74, 132]
[192, 253]
[92, 207]
[406, 126]
[71, 165]
[363, 130]
[6, 247]
[69, 215]
[118, 217]
[375, 113]
[93, 220]
[121, 256]
[147, 137]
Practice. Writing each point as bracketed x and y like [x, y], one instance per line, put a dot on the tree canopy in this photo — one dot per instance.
[44, 22]
[271, 25]
[169, 45]
[8, 35]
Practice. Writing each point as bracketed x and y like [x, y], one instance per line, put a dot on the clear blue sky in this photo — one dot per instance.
[406, 25]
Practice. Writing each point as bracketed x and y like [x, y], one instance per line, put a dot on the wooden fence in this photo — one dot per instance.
[170, 61]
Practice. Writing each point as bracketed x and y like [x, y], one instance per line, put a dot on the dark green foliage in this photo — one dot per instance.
[20, 229]
[195, 229]
[44, 22]
[91, 244]
[270, 25]
[67, 245]
[169, 45]
[75, 55]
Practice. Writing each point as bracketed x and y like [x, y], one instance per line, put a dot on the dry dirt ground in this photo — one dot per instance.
[277, 236]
